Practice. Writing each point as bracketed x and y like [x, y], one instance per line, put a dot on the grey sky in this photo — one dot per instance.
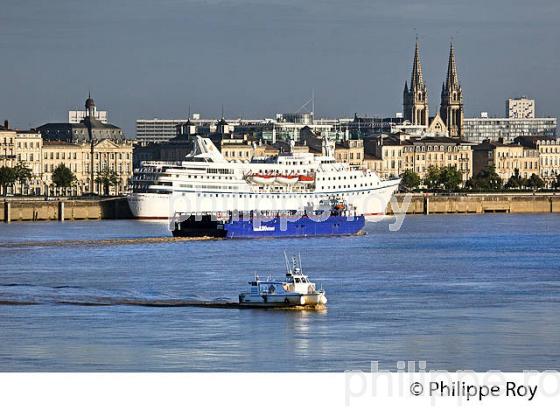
[152, 58]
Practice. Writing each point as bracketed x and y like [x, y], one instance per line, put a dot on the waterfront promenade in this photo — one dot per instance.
[61, 209]
[481, 203]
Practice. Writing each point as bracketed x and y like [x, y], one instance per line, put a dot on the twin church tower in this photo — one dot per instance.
[415, 98]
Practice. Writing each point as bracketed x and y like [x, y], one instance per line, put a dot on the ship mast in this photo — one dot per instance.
[287, 263]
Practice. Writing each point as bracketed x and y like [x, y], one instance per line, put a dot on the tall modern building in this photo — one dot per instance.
[415, 97]
[507, 129]
[156, 130]
[451, 109]
[521, 107]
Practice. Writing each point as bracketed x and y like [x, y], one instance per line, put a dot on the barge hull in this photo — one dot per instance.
[274, 228]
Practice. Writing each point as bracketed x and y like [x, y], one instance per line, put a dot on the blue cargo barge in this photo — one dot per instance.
[334, 225]
[340, 221]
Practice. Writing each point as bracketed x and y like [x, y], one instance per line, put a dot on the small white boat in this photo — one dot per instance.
[295, 290]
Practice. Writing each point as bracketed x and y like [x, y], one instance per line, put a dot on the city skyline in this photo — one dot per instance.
[214, 53]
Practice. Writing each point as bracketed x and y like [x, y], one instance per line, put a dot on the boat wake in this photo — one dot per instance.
[99, 242]
[28, 294]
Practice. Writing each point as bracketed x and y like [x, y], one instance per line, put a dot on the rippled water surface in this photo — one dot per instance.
[461, 292]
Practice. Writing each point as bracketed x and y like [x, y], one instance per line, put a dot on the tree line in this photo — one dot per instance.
[10, 176]
[62, 177]
[449, 179]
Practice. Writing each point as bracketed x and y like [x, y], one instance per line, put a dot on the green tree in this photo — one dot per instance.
[486, 180]
[23, 174]
[556, 183]
[63, 177]
[535, 182]
[516, 181]
[410, 179]
[107, 178]
[450, 178]
[432, 178]
[7, 178]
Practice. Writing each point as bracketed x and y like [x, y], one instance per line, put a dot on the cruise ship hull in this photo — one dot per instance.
[166, 206]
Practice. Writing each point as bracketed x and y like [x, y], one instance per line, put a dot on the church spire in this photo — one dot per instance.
[452, 82]
[415, 96]
[451, 110]
[417, 79]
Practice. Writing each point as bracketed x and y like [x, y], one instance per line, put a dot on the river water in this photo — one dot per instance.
[473, 292]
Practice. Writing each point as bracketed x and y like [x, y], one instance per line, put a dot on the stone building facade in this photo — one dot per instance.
[391, 155]
[548, 152]
[28, 148]
[505, 158]
[77, 157]
[350, 151]
[22, 147]
[7, 146]
[72, 146]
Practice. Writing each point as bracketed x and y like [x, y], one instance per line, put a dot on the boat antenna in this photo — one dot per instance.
[286, 261]
[300, 267]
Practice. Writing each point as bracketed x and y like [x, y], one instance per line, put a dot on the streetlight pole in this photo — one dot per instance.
[92, 167]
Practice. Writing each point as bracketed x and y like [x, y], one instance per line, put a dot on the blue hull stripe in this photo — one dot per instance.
[333, 226]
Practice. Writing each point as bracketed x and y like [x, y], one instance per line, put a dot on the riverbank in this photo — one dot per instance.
[35, 209]
[480, 203]
[38, 209]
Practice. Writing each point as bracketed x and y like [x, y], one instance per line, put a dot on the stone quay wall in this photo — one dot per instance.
[63, 209]
[480, 203]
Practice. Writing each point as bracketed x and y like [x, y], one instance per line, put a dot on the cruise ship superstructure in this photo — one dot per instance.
[205, 183]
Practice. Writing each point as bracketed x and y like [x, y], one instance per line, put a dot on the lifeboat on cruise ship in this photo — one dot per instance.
[306, 179]
[287, 179]
[264, 179]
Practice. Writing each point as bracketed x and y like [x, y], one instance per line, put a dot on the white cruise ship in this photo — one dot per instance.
[206, 183]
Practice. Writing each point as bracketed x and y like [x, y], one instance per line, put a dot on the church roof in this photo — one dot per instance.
[490, 145]
[531, 141]
[96, 124]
